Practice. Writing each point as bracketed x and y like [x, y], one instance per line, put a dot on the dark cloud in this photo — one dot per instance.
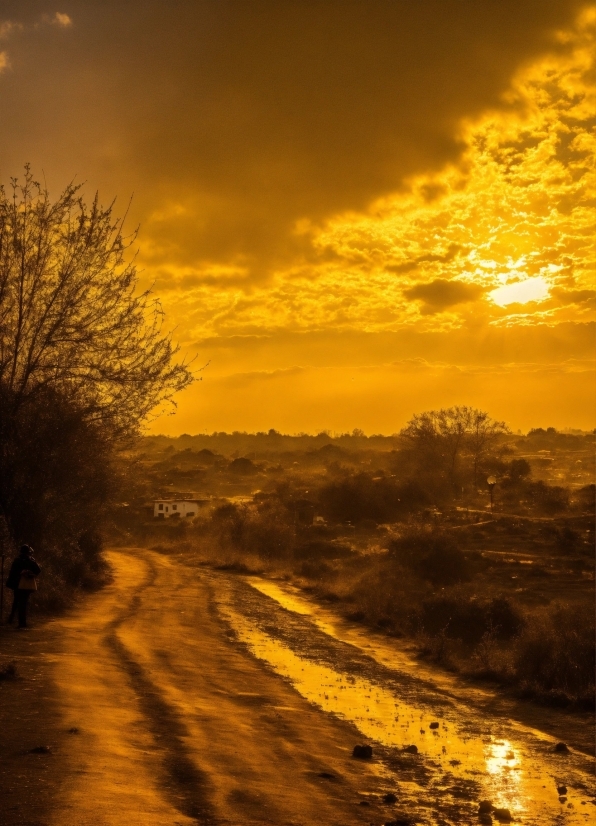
[408, 266]
[252, 115]
[574, 296]
[440, 294]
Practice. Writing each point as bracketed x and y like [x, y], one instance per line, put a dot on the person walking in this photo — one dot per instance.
[21, 580]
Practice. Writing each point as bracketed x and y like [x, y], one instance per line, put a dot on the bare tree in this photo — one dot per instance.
[84, 360]
[71, 315]
[483, 432]
[443, 436]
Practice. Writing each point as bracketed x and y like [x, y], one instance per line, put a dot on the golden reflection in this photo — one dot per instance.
[512, 771]
[503, 764]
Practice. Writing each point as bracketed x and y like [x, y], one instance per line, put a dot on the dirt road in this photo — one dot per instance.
[183, 695]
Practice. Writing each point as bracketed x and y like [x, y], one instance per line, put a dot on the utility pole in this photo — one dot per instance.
[491, 482]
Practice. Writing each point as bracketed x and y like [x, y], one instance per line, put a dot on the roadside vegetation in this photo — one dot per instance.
[83, 362]
[398, 533]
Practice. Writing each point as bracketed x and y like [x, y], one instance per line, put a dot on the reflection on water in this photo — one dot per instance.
[519, 774]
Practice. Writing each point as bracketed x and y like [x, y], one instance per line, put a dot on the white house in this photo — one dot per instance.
[164, 508]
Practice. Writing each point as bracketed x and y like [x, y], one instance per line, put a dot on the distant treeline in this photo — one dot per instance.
[272, 441]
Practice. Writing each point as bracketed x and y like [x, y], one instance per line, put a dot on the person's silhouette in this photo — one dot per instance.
[21, 580]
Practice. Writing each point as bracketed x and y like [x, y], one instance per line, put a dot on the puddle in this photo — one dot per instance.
[490, 759]
[291, 599]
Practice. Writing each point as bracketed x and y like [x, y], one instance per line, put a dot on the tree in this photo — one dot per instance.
[83, 359]
[482, 433]
[442, 437]
[71, 315]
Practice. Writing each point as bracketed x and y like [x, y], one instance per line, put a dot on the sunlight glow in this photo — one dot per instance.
[521, 292]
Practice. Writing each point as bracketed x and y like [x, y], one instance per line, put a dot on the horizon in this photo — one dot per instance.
[325, 433]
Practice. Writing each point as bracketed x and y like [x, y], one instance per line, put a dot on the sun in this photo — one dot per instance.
[521, 292]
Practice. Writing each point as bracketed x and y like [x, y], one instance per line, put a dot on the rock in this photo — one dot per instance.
[411, 749]
[327, 775]
[562, 789]
[400, 820]
[485, 819]
[502, 815]
[41, 750]
[434, 725]
[73, 730]
[364, 803]
[562, 799]
[561, 748]
[510, 756]
[362, 752]
[485, 807]
[389, 798]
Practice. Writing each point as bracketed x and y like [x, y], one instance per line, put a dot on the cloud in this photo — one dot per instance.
[62, 20]
[275, 113]
[8, 28]
[515, 216]
[439, 294]
[574, 296]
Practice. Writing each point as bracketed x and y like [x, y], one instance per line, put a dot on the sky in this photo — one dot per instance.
[351, 210]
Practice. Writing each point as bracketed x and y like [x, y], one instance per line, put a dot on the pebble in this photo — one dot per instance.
[411, 749]
[41, 750]
[362, 752]
[561, 748]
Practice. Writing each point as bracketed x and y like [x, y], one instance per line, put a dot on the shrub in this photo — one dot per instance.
[555, 653]
[367, 497]
[432, 554]
[321, 549]
[585, 499]
[548, 499]
[265, 531]
[469, 619]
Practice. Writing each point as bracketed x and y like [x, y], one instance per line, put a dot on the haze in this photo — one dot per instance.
[351, 211]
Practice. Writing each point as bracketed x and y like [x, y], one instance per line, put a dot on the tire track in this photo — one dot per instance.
[184, 784]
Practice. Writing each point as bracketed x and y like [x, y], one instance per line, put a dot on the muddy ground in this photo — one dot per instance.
[181, 695]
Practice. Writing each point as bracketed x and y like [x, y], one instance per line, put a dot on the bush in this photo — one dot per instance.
[469, 619]
[548, 499]
[585, 499]
[555, 653]
[321, 549]
[265, 531]
[367, 497]
[432, 554]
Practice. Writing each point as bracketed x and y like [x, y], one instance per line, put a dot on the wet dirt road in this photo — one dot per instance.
[203, 697]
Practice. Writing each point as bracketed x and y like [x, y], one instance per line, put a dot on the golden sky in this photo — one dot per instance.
[352, 210]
